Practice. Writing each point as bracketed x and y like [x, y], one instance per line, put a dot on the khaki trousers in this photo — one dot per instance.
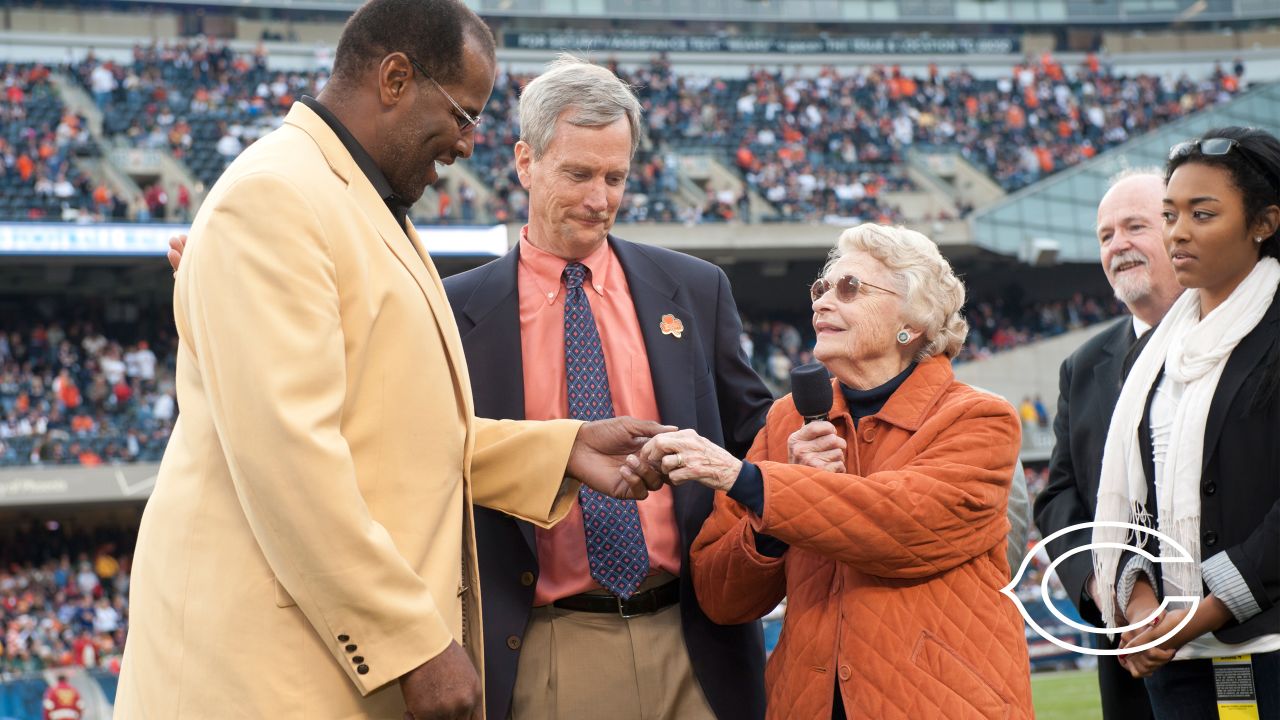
[579, 665]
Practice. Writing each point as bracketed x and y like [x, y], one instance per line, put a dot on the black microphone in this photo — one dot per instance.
[811, 391]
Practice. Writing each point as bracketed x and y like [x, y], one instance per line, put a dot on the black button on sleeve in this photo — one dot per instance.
[363, 669]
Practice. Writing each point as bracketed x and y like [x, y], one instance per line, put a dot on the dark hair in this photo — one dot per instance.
[1254, 165]
[431, 32]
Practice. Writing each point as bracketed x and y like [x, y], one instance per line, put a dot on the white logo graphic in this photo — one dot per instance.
[1181, 557]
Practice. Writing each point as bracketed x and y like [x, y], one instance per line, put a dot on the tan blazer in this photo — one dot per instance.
[310, 537]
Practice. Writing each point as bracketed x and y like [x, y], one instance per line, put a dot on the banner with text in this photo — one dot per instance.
[71, 239]
[918, 45]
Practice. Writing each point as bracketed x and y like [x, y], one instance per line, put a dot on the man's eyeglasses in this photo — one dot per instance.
[463, 118]
[1217, 147]
[846, 288]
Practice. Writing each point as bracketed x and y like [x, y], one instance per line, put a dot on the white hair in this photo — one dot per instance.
[932, 294]
[1125, 174]
[594, 96]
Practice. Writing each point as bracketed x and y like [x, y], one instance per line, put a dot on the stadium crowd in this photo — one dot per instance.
[824, 147]
[775, 345]
[72, 396]
[1037, 120]
[38, 138]
[63, 597]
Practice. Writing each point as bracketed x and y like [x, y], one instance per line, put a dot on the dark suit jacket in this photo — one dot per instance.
[1088, 387]
[1240, 475]
[702, 381]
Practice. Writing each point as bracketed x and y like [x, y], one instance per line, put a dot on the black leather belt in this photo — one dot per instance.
[642, 603]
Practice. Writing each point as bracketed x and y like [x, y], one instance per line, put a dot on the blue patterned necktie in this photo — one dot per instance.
[616, 549]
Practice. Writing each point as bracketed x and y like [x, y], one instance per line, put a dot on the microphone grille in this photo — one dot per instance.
[811, 389]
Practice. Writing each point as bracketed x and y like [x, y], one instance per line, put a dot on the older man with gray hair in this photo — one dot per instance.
[1131, 242]
[597, 616]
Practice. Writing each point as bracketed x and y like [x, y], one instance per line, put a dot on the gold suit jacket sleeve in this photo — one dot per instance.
[518, 467]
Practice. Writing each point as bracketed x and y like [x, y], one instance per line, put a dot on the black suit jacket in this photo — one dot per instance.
[1240, 475]
[702, 381]
[1088, 387]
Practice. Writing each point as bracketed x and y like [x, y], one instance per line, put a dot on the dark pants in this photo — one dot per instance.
[1183, 689]
[1124, 697]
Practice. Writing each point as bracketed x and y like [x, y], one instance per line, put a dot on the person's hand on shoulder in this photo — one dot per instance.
[177, 244]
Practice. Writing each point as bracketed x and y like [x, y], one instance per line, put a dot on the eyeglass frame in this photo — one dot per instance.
[467, 120]
[1187, 147]
[857, 283]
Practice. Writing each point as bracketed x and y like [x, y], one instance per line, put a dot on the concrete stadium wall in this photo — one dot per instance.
[1029, 370]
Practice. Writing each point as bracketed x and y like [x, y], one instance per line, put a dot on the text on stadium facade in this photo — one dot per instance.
[713, 43]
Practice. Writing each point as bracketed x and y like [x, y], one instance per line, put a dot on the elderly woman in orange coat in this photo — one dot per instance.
[885, 526]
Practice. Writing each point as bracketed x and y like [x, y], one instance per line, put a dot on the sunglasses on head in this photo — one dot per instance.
[1218, 147]
[846, 288]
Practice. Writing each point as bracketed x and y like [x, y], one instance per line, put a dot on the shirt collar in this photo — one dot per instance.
[363, 160]
[1139, 328]
[547, 269]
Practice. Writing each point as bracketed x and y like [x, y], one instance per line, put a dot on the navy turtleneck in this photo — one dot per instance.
[863, 403]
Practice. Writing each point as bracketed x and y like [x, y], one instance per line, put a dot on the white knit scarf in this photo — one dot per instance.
[1193, 351]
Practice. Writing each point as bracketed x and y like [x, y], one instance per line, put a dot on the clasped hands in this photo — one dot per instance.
[1210, 615]
[684, 456]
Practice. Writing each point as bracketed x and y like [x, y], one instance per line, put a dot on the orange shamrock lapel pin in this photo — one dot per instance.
[671, 325]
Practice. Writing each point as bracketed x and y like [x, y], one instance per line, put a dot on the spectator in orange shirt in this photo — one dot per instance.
[445, 200]
[1046, 159]
[1016, 117]
[102, 198]
[89, 458]
[65, 388]
[26, 167]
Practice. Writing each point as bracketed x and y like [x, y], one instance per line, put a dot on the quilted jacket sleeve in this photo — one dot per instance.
[943, 506]
[735, 583]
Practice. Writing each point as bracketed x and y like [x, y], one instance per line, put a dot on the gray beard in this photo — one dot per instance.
[1130, 290]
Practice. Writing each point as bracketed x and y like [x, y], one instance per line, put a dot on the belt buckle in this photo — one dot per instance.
[621, 609]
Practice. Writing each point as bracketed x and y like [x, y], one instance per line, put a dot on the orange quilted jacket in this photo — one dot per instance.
[893, 575]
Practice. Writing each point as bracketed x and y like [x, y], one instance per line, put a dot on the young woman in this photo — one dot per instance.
[1194, 444]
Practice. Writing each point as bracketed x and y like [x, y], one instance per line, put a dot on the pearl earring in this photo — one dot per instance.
[1258, 239]
[904, 337]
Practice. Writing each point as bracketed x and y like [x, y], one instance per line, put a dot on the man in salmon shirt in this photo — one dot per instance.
[575, 322]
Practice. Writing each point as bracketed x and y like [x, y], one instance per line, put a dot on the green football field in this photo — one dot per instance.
[1067, 695]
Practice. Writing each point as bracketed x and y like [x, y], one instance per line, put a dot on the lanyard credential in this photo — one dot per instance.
[1233, 681]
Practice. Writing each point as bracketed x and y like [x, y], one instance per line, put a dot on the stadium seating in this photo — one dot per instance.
[824, 146]
[38, 178]
[71, 397]
[63, 597]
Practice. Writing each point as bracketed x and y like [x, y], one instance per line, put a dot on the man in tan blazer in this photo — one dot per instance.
[309, 541]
